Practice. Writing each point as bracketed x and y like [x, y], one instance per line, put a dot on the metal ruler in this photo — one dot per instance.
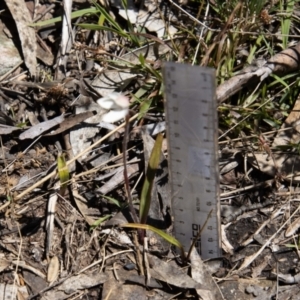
[192, 127]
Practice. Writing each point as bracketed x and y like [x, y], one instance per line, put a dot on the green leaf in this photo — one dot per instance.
[150, 175]
[286, 21]
[100, 221]
[109, 18]
[63, 173]
[144, 108]
[75, 14]
[271, 123]
[112, 200]
[142, 91]
[161, 233]
[142, 59]
[280, 80]
[291, 246]
[105, 28]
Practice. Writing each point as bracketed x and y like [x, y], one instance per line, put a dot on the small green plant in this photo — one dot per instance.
[149, 179]
[286, 9]
[145, 200]
[63, 173]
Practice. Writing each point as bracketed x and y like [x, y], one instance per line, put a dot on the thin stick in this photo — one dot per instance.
[130, 204]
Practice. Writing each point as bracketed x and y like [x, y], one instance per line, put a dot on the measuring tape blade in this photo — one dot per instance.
[192, 126]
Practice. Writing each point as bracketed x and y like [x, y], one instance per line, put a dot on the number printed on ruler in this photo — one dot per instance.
[192, 151]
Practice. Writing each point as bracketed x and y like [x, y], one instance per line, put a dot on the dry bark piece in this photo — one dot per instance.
[35, 283]
[134, 287]
[21, 15]
[286, 61]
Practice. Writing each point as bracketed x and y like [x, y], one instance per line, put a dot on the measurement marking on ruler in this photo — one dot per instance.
[192, 146]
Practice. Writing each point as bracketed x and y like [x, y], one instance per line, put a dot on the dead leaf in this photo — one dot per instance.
[75, 283]
[172, 274]
[4, 263]
[82, 281]
[21, 15]
[256, 271]
[110, 80]
[118, 178]
[235, 289]
[38, 129]
[82, 204]
[201, 274]
[81, 136]
[288, 163]
[7, 291]
[53, 269]
[71, 121]
[292, 228]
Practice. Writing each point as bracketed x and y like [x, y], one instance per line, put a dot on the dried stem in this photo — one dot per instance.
[125, 141]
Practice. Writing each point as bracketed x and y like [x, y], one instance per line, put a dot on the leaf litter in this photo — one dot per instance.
[66, 236]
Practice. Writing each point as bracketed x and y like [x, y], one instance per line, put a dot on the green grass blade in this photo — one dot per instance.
[150, 175]
[99, 221]
[254, 48]
[75, 14]
[112, 200]
[109, 18]
[170, 239]
[145, 106]
[105, 28]
[286, 21]
[280, 80]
